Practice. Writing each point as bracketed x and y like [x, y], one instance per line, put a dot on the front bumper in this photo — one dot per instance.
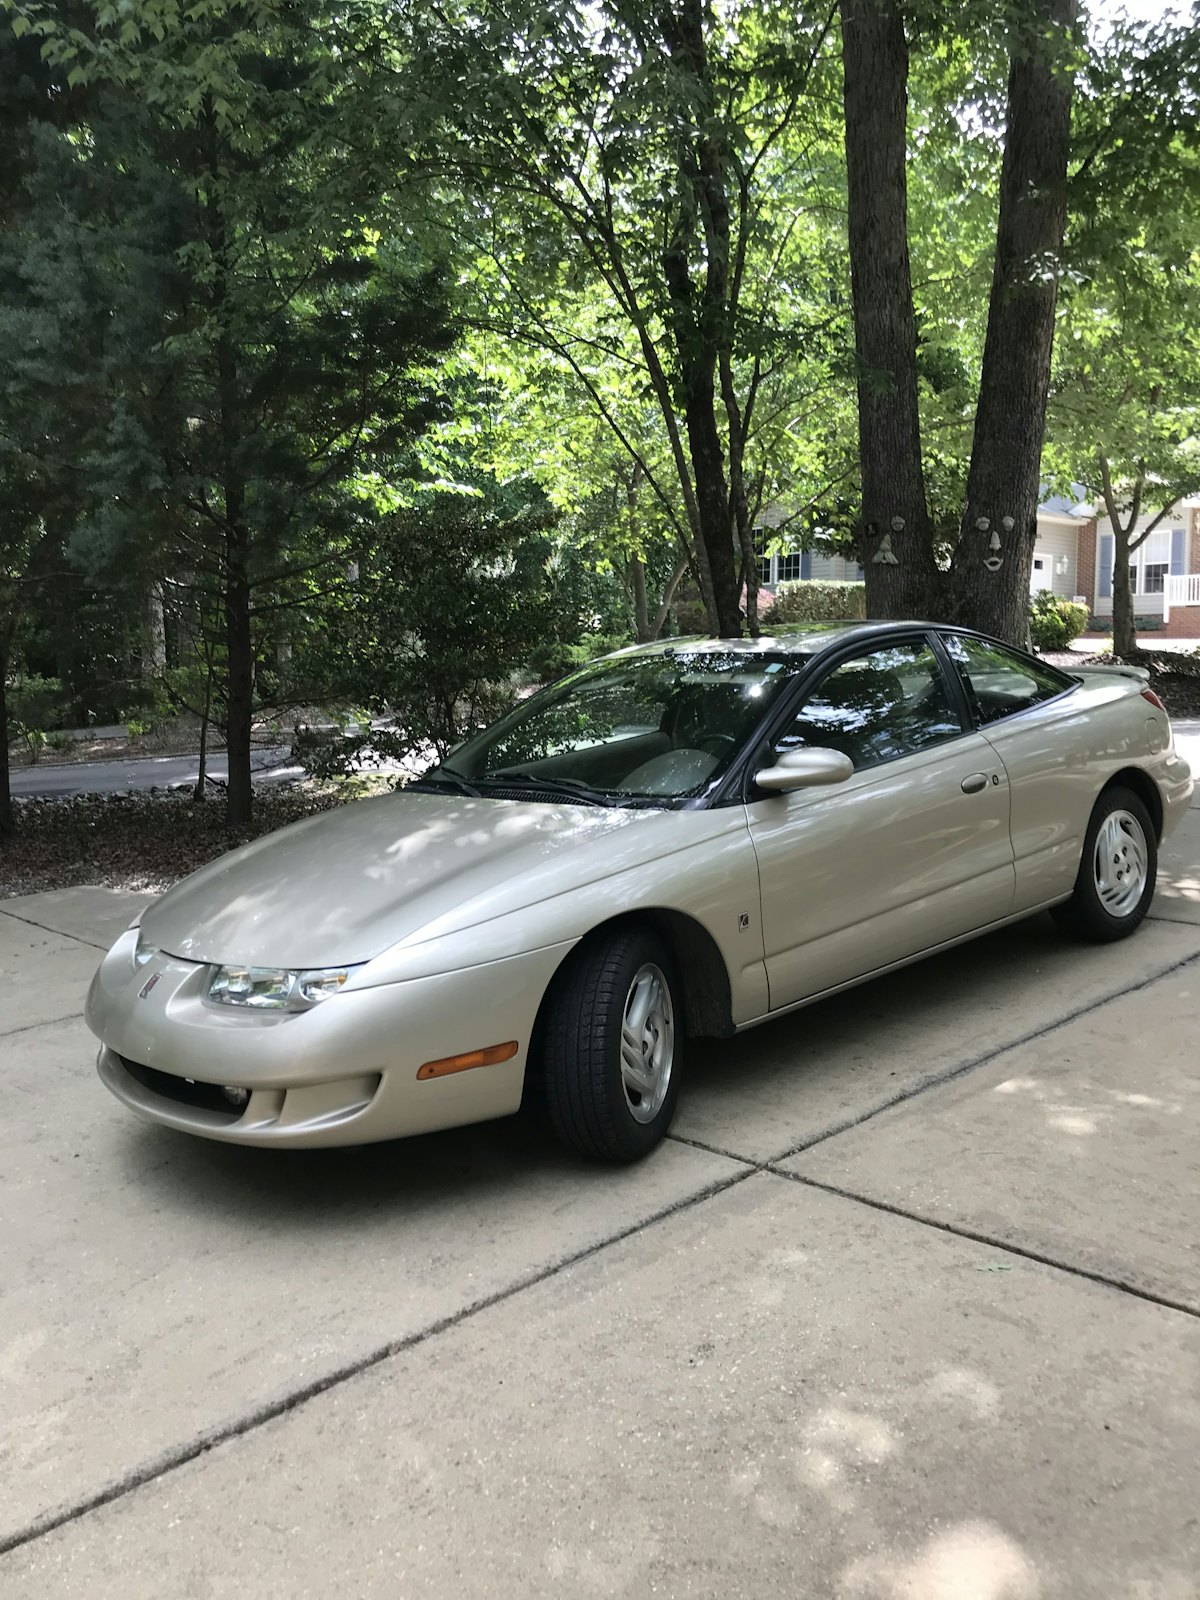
[344, 1072]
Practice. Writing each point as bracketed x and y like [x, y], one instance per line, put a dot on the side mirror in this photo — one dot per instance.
[805, 769]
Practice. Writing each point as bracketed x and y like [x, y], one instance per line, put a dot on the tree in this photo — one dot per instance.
[269, 355]
[33, 101]
[1125, 409]
[645, 156]
[987, 582]
[450, 593]
[895, 536]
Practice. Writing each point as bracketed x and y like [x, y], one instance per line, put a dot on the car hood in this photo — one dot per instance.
[344, 886]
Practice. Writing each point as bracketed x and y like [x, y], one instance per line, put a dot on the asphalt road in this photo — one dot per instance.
[153, 772]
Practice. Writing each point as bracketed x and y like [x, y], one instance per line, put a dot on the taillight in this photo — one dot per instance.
[1149, 694]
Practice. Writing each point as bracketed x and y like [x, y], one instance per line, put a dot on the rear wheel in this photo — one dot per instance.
[1115, 882]
[612, 1046]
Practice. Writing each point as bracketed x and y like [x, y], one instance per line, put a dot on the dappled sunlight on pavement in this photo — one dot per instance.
[972, 1561]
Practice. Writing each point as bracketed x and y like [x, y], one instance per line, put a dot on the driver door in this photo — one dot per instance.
[911, 851]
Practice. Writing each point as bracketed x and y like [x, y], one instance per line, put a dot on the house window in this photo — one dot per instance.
[1150, 564]
[1153, 575]
[776, 569]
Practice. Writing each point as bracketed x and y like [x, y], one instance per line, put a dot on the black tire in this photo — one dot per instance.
[580, 1066]
[1085, 915]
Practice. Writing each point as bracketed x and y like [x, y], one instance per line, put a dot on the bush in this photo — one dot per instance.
[35, 702]
[553, 659]
[1054, 622]
[813, 600]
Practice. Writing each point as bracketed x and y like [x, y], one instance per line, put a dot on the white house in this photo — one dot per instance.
[1073, 557]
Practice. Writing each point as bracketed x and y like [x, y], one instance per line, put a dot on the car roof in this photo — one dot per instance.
[808, 639]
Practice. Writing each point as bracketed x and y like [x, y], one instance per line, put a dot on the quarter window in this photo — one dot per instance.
[1000, 682]
[877, 707]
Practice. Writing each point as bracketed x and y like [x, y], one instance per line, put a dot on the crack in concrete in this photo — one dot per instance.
[935, 1080]
[50, 1022]
[77, 937]
[171, 1460]
[1122, 1285]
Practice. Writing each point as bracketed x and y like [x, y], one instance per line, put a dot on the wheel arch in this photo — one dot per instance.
[1147, 791]
[707, 996]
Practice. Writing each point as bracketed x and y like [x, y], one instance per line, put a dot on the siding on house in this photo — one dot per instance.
[1175, 542]
[1057, 543]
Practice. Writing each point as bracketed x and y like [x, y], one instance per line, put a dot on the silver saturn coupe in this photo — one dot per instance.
[681, 839]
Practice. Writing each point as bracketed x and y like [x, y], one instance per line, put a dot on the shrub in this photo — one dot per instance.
[814, 600]
[554, 659]
[1054, 622]
[35, 702]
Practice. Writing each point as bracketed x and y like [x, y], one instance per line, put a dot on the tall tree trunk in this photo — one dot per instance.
[1124, 629]
[1123, 624]
[6, 811]
[641, 610]
[682, 567]
[154, 642]
[240, 667]
[994, 556]
[712, 496]
[896, 542]
[700, 311]
[200, 792]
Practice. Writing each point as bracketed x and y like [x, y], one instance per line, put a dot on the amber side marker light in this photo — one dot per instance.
[489, 1057]
[1149, 694]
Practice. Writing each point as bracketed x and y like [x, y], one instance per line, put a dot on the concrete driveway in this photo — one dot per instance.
[908, 1308]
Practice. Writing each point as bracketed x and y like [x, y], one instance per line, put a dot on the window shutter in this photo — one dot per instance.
[1106, 566]
[806, 564]
[1178, 560]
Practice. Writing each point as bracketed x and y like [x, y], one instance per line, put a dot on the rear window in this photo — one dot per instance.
[999, 681]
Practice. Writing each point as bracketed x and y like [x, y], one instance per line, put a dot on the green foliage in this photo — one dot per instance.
[452, 595]
[35, 702]
[554, 659]
[1054, 621]
[814, 600]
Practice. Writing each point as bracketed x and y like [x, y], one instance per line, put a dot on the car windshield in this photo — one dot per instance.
[631, 729]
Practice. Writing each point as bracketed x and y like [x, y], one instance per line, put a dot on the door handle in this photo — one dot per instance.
[976, 782]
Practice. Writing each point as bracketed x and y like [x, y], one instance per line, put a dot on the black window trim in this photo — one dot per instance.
[737, 785]
[977, 723]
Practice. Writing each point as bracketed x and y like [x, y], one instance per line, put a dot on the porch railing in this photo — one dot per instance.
[1180, 591]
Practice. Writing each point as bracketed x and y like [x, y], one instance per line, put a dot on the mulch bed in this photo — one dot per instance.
[1174, 677]
[144, 842]
[1174, 674]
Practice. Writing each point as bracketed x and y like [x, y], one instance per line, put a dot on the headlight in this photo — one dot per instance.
[275, 988]
[142, 952]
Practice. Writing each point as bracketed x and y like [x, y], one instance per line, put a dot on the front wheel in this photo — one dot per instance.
[1115, 882]
[612, 1046]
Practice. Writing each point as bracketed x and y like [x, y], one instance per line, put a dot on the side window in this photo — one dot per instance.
[877, 707]
[1000, 681]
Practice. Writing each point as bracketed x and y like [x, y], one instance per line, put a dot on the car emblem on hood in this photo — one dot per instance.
[148, 985]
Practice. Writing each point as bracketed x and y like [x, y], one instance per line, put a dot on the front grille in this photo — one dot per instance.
[183, 1091]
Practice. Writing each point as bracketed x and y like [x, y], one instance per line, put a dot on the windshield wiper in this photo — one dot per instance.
[571, 787]
[444, 776]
